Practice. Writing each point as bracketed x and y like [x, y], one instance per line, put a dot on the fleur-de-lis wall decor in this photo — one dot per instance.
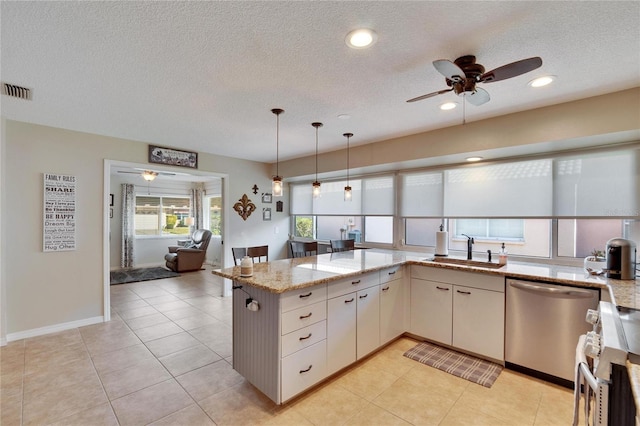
[244, 207]
[255, 189]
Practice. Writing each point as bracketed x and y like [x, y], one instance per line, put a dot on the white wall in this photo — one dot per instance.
[48, 290]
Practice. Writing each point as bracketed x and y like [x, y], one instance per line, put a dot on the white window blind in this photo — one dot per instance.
[300, 199]
[378, 196]
[605, 184]
[520, 189]
[421, 194]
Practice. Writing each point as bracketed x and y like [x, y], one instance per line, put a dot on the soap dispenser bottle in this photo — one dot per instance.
[502, 256]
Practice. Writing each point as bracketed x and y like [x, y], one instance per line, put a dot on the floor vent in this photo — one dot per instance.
[16, 91]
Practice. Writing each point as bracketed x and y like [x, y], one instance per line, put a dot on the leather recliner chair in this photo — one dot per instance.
[190, 257]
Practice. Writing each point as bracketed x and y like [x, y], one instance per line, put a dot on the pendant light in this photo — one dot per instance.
[347, 189]
[316, 184]
[276, 184]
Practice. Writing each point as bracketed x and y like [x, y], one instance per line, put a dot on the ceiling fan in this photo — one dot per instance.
[147, 174]
[462, 75]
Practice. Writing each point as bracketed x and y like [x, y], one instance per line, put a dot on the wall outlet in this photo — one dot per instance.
[276, 230]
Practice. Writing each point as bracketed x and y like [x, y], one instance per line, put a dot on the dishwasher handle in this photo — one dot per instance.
[569, 292]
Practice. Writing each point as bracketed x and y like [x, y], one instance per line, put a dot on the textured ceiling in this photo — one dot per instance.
[203, 76]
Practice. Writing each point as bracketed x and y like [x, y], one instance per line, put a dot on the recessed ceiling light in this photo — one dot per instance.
[361, 38]
[473, 159]
[542, 81]
[344, 116]
[448, 105]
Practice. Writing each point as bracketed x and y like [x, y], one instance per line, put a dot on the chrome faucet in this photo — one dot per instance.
[470, 242]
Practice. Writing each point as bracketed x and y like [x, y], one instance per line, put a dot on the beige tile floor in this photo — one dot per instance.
[165, 359]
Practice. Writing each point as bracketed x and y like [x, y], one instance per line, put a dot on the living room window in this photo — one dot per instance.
[161, 215]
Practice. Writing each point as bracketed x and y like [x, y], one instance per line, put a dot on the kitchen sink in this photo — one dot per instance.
[465, 262]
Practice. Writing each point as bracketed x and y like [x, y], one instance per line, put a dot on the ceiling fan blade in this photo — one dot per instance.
[449, 69]
[429, 95]
[477, 97]
[513, 69]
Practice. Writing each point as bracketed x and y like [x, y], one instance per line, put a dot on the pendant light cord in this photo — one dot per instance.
[348, 160]
[316, 153]
[277, 144]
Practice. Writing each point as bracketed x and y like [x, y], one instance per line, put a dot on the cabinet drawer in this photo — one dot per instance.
[349, 285]
[303, 369]
[303, 338]
[302, 297]
[469, 279]
[303, 317]
[390, 274]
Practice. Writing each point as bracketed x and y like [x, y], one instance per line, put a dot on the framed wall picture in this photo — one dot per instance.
[278, 206]
[266, 213]
[266, 197]
[173, 157]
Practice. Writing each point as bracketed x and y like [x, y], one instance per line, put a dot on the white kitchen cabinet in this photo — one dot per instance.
[393, 309]
[341, 332]
[478, 321]
[432, 310]
[458, 308]
[303, 369]
[367, 321]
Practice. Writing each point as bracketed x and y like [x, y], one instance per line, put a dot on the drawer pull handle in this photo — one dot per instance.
[392, 273]
[305, 338]
[463, 292]
[355, 282]
[306, 316]
[363, 296]
[302, 296]
[442, 288]
[349, 301]
[385, 289]
[307, 370]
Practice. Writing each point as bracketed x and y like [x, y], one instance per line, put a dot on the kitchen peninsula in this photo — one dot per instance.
[319, 314]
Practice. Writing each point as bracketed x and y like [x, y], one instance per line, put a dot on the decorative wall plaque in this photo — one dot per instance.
[244, 207]
[59, 212]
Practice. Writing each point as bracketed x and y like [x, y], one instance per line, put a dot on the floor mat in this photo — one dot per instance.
[132, 275]
[461, 365]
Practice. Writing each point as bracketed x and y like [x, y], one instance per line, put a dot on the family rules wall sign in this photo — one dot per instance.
[59, 213]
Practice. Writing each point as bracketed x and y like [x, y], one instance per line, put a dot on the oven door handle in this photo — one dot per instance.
[561, 292]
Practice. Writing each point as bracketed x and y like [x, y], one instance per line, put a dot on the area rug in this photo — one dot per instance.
[132, 275]
[461, 365]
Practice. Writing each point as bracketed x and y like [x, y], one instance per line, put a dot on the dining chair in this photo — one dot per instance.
[238, 254]
[303, 248]
[342, 245]
[257, 253]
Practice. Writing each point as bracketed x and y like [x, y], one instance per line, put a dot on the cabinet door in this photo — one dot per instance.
[341, 332]
[431, 310]
[303, 369]
[392, 310]
[368, 320]
[478, 321]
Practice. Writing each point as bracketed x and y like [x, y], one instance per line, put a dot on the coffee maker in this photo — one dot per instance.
[621, 259]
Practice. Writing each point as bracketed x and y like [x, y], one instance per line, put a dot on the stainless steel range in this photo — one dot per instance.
[601, 371]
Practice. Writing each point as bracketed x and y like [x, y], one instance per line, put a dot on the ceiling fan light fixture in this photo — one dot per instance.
[149, 175]
[542, 81]
[448, 106]
[361, 38]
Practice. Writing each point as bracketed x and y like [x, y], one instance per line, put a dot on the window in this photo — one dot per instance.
[161, 215]
[215, 217]
[579, 237]
[490, 229]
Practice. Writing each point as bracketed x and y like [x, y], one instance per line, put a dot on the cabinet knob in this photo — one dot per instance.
[305, 337]
[355, 282]
[308, 369]
[391, 273]
[463, 292]
[442, 288]
[385, 289]
[306, 316]
[302, 296]
[349, 301]
[364, 295]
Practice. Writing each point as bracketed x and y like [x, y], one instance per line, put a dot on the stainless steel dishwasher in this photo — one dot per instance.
[543, 324]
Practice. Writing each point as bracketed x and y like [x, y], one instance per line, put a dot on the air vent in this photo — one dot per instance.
[16, 91]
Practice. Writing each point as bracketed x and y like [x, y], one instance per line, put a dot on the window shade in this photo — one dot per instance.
[520, 189]
[597, 185]
[421, 194]
[378, 196]
[331, 200]
[300, 199]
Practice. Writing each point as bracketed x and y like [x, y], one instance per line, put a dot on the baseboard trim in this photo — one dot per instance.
[53, 328]
[3, 342]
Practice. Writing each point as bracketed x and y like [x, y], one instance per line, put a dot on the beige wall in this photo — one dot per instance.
[44, 290]
[558, 127]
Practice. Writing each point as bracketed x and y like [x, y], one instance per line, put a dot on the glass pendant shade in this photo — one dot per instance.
[276, 184]
[347, 193]
[316, 189]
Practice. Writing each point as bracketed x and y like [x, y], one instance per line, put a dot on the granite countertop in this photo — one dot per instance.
[634, 379]
[284, 275]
